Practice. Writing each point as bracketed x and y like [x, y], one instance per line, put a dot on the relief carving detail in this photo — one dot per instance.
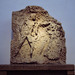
[37, 37]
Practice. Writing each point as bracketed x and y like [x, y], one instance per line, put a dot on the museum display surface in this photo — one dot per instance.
[37, 46]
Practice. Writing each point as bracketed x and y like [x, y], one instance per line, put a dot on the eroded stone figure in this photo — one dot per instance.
[37, 37]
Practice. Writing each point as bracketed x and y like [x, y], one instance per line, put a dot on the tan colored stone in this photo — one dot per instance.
[37, 37]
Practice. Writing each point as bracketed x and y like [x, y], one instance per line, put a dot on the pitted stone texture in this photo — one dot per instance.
[37, 37]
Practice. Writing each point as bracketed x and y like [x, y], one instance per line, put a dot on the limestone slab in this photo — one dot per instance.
[37, 37]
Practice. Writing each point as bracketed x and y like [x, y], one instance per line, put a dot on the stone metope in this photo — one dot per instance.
[37, 37]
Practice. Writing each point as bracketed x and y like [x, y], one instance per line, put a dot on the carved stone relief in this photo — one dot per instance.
[37, 37]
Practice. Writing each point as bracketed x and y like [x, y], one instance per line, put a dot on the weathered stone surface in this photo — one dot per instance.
[37, 37]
